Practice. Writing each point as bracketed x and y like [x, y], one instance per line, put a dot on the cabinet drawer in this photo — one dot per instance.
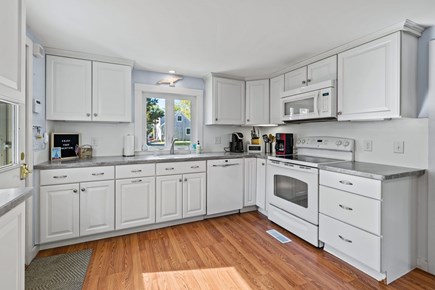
[359, 211]
[360, 185]
[72, 175]
[180, 167]
[358, 244]
[135, 170]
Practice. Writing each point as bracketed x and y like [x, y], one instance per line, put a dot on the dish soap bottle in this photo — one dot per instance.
[198, 148]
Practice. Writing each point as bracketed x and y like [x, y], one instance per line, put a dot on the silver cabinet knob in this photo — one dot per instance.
[308, 80]
[88, 114]
[339, 113]
[247, 120]
[185, 179]
[95, 114]
[181, 180]
[83, 189]
[216, 119]
[304, 82]
[75, 190]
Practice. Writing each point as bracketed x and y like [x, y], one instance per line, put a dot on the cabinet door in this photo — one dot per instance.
[12, 56]
[261, 184]
[59, 212]
[276, 88]
[369, 80]
[194, 195]
[135, 202]
[12, 234]
[97, 207]
[257, 102]
[323, 70]
[295, 79]
[111, 92]
[69, 89]
[229, 101]
[169, 198]
[250, 182]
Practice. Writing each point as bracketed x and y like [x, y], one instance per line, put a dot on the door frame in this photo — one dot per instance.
[431, 161]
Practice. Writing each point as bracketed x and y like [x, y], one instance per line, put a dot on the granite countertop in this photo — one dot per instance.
[138, 159]
[10, 198]
[372, 170]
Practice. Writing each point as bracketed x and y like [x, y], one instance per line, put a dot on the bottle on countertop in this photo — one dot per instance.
[198, 148]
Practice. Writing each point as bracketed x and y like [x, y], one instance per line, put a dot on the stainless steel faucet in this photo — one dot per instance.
[171, 151]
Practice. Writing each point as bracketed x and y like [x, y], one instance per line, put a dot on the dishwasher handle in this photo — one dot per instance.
[225, 165]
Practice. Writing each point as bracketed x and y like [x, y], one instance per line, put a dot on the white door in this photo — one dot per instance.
[276, 88]
[295, 79]
[97, 207]
[369, 80]
[229, 101]
[111, 97]
[194, 194]
[250, 183]
[135, 202]
[69, 89]
[260, 200]
[169, 198]
[257, 102]
[323, 70]
[59, 212]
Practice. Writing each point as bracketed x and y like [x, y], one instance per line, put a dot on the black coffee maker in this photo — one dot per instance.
[236, 144]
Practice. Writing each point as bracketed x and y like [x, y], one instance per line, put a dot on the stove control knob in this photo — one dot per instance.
[299, 141]
[338, 142]
[346, 143]
[303, 141]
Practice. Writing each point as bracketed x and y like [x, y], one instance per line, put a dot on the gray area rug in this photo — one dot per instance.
[66, 271]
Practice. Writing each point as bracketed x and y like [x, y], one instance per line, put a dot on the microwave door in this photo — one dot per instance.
[299, 107]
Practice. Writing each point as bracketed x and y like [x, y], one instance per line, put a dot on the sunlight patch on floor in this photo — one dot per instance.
[212, 278]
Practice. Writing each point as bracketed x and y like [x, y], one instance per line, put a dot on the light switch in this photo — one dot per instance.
[399, 147]
[368, 145]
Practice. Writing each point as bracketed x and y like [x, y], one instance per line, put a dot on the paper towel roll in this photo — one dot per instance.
[128, 146]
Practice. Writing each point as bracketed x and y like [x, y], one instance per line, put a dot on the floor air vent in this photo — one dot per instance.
[277, 235]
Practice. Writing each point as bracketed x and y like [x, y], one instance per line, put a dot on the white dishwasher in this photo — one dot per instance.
[224, 185]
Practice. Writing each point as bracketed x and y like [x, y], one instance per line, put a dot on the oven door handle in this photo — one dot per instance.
[291, 166]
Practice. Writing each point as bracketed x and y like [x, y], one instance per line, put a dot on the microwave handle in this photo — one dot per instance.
[316, 103]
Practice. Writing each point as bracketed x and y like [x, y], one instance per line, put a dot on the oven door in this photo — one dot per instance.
[294, 188]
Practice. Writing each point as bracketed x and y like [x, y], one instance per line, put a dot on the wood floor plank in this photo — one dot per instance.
[231, 252]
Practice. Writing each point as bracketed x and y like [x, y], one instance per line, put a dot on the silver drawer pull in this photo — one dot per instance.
[225, 165]
[194, 166]
[98, 174]
[346, 240]
[345, 182]
[136, 171]
[169, 168]
[60, 176]
[345, 207]
[136, 181]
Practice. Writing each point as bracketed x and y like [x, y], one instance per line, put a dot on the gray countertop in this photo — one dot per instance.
[372, 170]
[119, 160]
[10, 198]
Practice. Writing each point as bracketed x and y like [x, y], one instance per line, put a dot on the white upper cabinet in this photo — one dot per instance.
[257, 102]
[322, 70]
[377, 79]
[69, 89]
[111, 92]
[276, 88]
[225, 101]
[84, 90]
[12, 56]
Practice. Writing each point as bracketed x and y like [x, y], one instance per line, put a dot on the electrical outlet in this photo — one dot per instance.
[399, 147]
[94, 142]
[217, 140]
[368, 145]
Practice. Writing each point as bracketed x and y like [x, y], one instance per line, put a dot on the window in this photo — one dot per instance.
[187, 131]
[8, 137]
[179, 118]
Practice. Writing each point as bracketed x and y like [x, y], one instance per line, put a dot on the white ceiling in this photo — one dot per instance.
[244, 38]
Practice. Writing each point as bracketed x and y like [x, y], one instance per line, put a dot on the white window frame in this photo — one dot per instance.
[143, 91]
[15, 138]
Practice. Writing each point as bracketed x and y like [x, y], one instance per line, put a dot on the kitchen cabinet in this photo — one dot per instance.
[276, 88]
[12, 57]
[316, 72]
[369, 223]
[377, 80]
[260, 189]
[12, 240]
[224, 101]
[97, 207]
[180, 190]
[84, 90]
[250, 184]
[257, 102]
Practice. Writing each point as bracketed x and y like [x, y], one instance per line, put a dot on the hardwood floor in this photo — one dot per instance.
[232, 252]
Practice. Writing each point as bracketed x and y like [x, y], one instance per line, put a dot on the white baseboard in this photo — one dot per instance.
[423, 264]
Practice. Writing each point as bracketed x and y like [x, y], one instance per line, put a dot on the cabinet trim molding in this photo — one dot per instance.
[87, 56]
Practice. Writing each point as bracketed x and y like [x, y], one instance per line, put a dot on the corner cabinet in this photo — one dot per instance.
[257, 102]
[224, 101]
[377, 80]
[250, 182]
[276, 88]
[13, 47]
[85, 90]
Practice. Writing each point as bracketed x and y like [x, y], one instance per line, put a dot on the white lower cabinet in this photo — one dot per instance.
[59, 208]
[194, 194]
[260, 199]
[135, 202]
[97, 207]
[250, 183]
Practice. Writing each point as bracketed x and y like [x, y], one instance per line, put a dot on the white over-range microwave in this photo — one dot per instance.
[317, 101]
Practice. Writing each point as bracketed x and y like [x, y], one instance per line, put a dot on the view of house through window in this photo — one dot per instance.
[167, 118]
